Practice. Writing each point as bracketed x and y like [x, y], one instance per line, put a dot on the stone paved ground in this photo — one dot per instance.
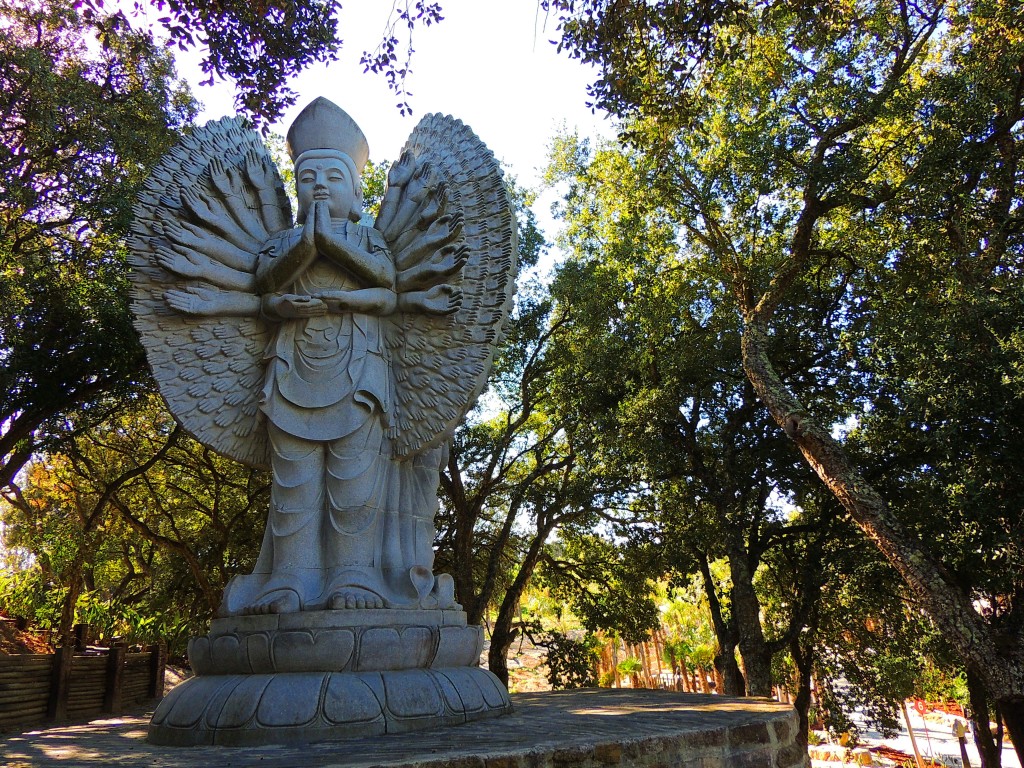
[560, 729]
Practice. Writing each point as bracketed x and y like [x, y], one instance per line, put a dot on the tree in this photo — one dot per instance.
[63, 523]
[138, 517]
[81, 128]
[655, 365]
[571, 662]
[261, 46]
[839, 145]
[517, 474]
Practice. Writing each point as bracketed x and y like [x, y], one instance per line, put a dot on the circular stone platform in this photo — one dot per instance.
[590, 728]
[326, 675]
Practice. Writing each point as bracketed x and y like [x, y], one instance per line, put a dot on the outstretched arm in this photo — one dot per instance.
[440, 233]
[207, 302]
[194, 265]
[371, 301]
[187, 235]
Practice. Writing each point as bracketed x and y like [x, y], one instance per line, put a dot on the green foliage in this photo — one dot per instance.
[604, 587]
[25, 591]
[82, 126]
[260, 46]
[138, 526]
[846, 177]
[375, 179]
[652, 359]
[630, 666]
[110, 619]
[571, 661]
[502, 455]
[688, 628]
[936, 683]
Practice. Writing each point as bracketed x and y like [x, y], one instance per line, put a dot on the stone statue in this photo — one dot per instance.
[341, 355]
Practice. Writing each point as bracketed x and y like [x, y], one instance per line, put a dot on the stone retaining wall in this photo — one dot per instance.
[593, 728]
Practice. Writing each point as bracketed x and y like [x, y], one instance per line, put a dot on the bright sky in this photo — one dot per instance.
[489, 63]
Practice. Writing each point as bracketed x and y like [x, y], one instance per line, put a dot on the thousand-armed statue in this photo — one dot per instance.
[340, 355]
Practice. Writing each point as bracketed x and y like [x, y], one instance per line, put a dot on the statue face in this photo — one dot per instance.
[325, 179]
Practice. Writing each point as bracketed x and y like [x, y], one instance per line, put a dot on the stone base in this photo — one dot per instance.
[320, 675]
[337, 641]
[281, 708]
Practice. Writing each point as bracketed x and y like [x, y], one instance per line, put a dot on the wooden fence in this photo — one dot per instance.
[68, 686]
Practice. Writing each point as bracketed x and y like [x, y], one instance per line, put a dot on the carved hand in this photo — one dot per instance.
[192, 301]
[212, 215]
[309, 227]
[443, 231]
[442, 263]
[402, 171]
[183, 232]
[275, 271]
[373, 268]
[200, 208]
[400, 217]
[188, 236]
[183, 262]
[221, 178]
[258, 170]
[421, 182]
[434, 207]
[439, 300]
[291, 305]
[449, 259]
[443, 299]
[323, 232]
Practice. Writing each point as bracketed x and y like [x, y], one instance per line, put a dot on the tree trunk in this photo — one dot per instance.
[65, 630]
[502, 637]
[733, 683]
[605, 667]
[502, 633]
[645, 665]
[947, 606]
[981, 717]
[617, 683]
[657, 638]
[462, 548]
[802, 701]
[1012, 713]
[703, 679]
[746, 611]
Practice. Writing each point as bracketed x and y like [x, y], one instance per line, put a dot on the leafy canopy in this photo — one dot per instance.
[82, 125]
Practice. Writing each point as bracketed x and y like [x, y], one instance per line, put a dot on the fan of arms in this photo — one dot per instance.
[208, 211]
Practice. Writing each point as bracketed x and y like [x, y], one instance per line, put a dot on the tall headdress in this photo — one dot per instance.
[325, 125]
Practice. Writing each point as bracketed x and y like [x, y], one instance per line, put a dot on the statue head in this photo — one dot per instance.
[329, 151]
[331, 176]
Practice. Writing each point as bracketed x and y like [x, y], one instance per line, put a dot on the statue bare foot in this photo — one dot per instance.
[281, 600]
[354, 597]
